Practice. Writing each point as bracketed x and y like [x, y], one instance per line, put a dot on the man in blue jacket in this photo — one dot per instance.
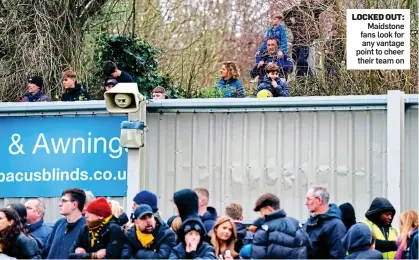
[66, 230]
[277, 236]
[324, 226]
[284, 62]
[150, 238]
[35, 215]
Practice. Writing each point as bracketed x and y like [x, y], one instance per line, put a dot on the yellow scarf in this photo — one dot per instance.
[145, 239]
[94, 232]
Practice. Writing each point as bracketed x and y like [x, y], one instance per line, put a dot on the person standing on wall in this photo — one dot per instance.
[379, 218]
[149, 238]
[102, 237]
[66, 229]
[35, 217]
[111, 70]
[324, 226]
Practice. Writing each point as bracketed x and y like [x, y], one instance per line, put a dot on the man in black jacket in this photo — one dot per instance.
[73, 90]
[102, 237]
[149, 238]
[277, 236]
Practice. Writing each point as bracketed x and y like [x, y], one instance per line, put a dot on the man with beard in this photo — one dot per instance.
[102, 237]
[378, 218]
[149, 238]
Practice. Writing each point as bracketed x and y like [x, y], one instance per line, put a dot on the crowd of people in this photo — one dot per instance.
[272, 66]
[95, 228]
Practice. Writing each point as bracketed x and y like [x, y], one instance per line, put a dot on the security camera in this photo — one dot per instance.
[123, 98]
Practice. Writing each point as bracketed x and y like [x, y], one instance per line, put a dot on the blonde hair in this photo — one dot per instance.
[230, 242]
[232, 69]
[116, 208]
[176, 224]
[408, 223]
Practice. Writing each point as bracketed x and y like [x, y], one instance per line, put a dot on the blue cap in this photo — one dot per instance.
[142, 210]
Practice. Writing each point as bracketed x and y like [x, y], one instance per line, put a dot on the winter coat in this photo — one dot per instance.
[243, 236]
[348, 215]
[40, 231]
[358, 242]
[280, 91]
[410, 247]
[75, 94]
[123, 219]
[385, 236]
[62, 238]
[38, 97]
[125, 77]
[232, 88]
[24, 247]
[414, 247]
[280, 237]
[204, 251]
[285, 64]
[280, 35]
[326, 232]
[111, 237]
[209, 218]
[164, 241]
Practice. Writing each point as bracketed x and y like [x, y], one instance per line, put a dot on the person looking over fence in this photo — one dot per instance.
[35, 93]
[229, 82]
[278, 32]
[73, 91]
[268, 56]
[273, 83]
[159, 93]
[111, 70]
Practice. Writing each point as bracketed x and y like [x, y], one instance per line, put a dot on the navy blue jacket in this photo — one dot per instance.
[285, 64]
[414, 247]
[76, 94]
[280, 91]
[231, 88]
[281, 37]
[358, 241]
[326, 232]
[62, 238]
[209, 218]
[279, 237]
[111, 237]
[40, 231]
[164, 241]
[24, 247]
[204, 251]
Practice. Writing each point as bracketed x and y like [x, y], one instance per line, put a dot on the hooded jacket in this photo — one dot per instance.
[187, 204]
[358, 241]
[280, 91]
[164, 241]
[209, 218]
[280, 237]
[326, 232]
[243, 236]
[75, 94]
[378, 206]
[111, 237]
[348, 215]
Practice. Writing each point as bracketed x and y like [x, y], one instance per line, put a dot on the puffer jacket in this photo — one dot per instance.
[232, 88]
[280, 237]
[326, 232]
[76, 94]
[280, 91]
[204, 251]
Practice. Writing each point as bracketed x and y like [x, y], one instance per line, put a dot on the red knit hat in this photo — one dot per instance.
[99, 207]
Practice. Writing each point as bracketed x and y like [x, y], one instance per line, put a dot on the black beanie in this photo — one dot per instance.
[37, 81]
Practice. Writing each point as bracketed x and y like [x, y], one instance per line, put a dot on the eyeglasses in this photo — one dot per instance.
[311, 198]
[64, 200]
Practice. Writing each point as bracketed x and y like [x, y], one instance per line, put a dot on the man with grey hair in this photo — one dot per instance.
[35, 216]
[324, 226]
[89, 198]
